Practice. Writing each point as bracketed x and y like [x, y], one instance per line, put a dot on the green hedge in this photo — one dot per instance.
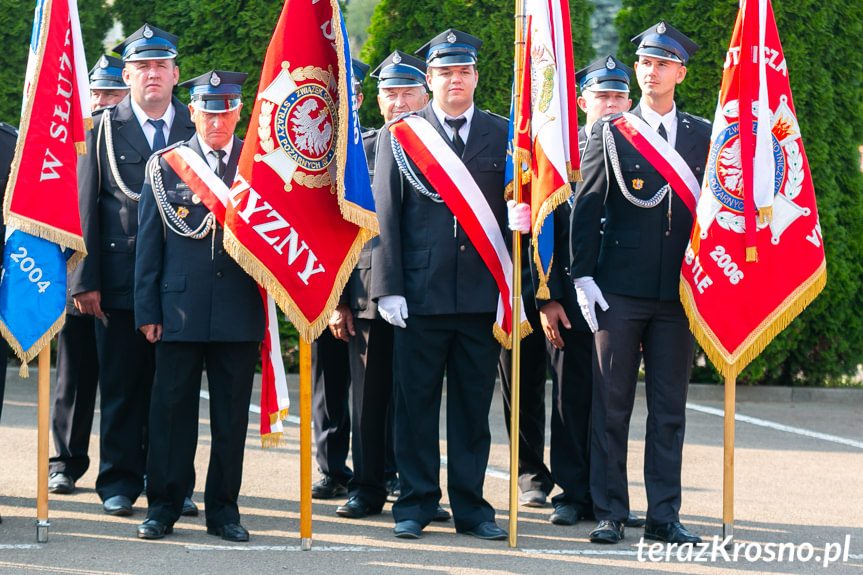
[821, 40]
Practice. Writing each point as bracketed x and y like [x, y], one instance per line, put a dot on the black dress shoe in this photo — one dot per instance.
[328, 488]
[59, 482]
[441, 514]
[672, 532]
[566, 514]
[189, 508]
[229, 531]
[533, 498]
[486, 530]
[634, 521]
[394, 489]
[152, 529]
[356, 508]
[118, 505]
[607, 531]
[408, 529]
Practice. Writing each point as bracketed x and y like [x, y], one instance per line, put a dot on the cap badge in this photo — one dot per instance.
[103, 62]
[637, 184]
[661, 28]
[609, 64]
[451, 38]
[215, 80]
[147, 33]
[397, 58]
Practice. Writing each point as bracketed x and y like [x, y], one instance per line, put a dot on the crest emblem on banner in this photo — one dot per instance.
[724, 179]
[298, 124]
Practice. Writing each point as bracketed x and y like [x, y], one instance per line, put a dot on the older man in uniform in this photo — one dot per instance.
[77, 358]
[429, 267]
[632, 272]
[401, 89]
[331, 380]
[111, 175]
[198, 307]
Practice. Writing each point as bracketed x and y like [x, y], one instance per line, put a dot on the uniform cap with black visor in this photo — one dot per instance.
[107, 74]
[216, 91]
[450, 48]
[400, 70]
[604, 75]
[665, 42]
[148, 43]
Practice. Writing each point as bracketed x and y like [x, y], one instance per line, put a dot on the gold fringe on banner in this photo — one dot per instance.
[574, 175]
[752, 254]
[309, 330]
[26, 356]
[551, 203]
[280, 416]
[81, 147]
[60, 237]
[765, 214]
[730, 364]
[88, 125]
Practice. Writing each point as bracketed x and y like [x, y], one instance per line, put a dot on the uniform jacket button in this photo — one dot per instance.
[219, 275]
[113, 245]
[221, 252]
[462, 248]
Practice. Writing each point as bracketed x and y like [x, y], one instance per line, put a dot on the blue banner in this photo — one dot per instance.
[32, 292]
[358, 189]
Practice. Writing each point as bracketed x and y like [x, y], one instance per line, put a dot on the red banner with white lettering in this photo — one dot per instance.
[756, 256]
[42, 191]
[283, 222]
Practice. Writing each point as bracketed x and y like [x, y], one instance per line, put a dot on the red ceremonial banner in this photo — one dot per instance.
[735, 306]
[42, 191]
[283, 222]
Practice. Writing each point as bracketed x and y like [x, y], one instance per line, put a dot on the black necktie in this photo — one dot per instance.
[159, 138]
[456, 125]
[661, 131]
[220, 165]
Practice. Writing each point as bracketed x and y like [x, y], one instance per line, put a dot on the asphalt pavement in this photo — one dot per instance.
[798, 504]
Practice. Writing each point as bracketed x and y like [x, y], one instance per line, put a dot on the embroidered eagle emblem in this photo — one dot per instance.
[312, 134]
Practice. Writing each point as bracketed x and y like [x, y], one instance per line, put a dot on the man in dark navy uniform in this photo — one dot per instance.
[331, 380]
[199, 307]
[77, 358]
[429, 268]
[401, 89]
[632, 272]
[110, 177]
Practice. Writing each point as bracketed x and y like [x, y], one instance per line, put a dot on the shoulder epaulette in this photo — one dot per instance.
[369, 134]
[699, 118]
[9, 129]
[170, 147]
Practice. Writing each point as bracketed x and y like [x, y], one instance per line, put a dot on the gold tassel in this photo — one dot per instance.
[24, 372]
[542, 292]
[765, 215]
[525, 329]
[752, 254]
[501, 336]
[731, 364]
[271, 440]
[575, 176]
[88, 125]
[81, 147]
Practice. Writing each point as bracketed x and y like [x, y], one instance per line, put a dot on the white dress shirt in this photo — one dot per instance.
[668, 120]
[149, 129]
[442, 117]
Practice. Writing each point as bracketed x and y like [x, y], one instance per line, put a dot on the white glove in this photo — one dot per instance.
[394, 310]
[518, 216]
[589, 295]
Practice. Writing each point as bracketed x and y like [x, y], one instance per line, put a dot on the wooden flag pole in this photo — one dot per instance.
[305, 445]
[515, 378]
[728, 470]
[43, 411]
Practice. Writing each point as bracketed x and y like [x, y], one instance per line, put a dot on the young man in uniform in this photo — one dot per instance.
[631, 271]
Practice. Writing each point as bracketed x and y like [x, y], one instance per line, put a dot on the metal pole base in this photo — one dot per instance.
[306, 543]
[728, 532]
[42, 530]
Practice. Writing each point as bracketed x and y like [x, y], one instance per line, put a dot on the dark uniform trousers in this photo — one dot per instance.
[331, 414]
[462, 345]
[636, 263]
[212, 316]
[532, 471]
[174, 425]
[109, 220]
[74, 395]
[661, 329]
[426, 257]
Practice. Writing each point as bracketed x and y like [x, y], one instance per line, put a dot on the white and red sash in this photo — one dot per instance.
[450, 178]
[207, 185]
[659, 153]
